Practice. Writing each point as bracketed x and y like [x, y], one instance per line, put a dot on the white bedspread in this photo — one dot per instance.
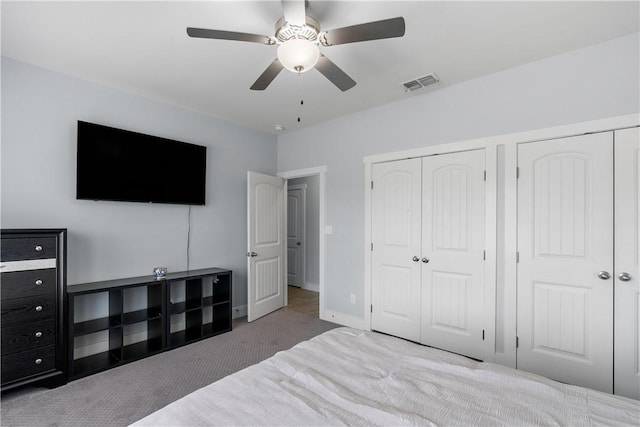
[351, 377]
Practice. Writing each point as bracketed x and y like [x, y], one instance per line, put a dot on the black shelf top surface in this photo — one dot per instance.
[95, 363]
[96, 325]
[143, 315]
[211, 300]
[141, 349]
[142, 280]
[177, 307]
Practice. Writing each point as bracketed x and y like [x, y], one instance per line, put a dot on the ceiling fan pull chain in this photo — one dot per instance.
[301, 97]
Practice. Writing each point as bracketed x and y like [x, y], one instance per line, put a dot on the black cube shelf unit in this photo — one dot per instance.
[118, 321]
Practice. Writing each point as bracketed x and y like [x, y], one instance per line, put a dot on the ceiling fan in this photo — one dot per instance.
[298, 37]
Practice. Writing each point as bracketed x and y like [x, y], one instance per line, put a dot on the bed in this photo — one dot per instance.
[352, 377]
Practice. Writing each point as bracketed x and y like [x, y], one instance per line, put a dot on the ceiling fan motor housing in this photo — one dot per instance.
[286, 31]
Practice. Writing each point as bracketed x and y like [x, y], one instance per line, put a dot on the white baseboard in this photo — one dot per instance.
[343, 319]
[239, 311]
[315, 287]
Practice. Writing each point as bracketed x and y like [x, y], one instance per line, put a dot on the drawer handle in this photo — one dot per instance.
[38, 282]
[38, 248]
[38, 361]
[38, 308]
[38, 334]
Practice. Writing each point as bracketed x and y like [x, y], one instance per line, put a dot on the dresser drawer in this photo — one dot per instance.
[25, 337]
[27, 363]
[19, 311]
[28, 283]
[25, 248]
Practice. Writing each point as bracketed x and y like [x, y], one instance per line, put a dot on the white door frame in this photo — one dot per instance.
[303, 231]
[320, 171]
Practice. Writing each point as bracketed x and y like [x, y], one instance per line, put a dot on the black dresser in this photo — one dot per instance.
[32, 289]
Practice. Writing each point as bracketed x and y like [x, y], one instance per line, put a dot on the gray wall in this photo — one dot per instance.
[120, 239]
[312, 232]
[591, 83]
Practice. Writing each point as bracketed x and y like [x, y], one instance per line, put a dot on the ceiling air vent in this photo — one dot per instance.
[421, 82]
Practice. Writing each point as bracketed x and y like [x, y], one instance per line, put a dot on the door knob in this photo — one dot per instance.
[625, 277]
[425, 260]
[604, 275]
[298, 243]
[252, 254]
[415, 259]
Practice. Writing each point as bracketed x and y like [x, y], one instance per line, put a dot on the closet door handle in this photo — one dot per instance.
[425, 260]
[604, 275]
[625, 277]
[415, 259]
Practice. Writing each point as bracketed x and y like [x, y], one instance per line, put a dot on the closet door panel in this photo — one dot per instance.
[452, 252]
[565, 239]
[396, 238]
[627, 287]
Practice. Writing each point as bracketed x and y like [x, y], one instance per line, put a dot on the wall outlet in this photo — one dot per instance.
[352, 299]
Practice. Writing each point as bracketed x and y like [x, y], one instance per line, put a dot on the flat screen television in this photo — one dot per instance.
[120, 165]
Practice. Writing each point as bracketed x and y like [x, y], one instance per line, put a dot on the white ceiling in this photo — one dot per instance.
[142, 48]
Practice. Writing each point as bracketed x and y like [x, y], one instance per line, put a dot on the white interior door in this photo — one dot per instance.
[627, 260]
[452, 257]
[295, 236]
[266, 244]
[395, 215]
[565, 245]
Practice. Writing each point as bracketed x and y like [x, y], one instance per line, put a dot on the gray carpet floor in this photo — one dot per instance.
[125, 394]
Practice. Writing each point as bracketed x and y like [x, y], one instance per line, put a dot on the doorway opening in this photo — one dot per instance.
[305, 225]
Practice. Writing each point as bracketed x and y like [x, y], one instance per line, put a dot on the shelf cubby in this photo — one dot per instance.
[221, 289]
[194, 324]
[151, 344]
[193, 294]
[86, 360]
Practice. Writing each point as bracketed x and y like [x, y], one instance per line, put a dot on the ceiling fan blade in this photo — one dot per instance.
[385, 29]
[335, 75]
[267, 76]
[295, 12]
[228, 35]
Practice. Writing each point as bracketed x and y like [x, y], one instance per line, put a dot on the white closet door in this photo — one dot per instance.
[565, 238]
[453, 206]
[627, 273]
[395, 291]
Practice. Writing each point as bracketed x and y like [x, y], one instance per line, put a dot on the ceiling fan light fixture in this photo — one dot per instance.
[298, 55]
